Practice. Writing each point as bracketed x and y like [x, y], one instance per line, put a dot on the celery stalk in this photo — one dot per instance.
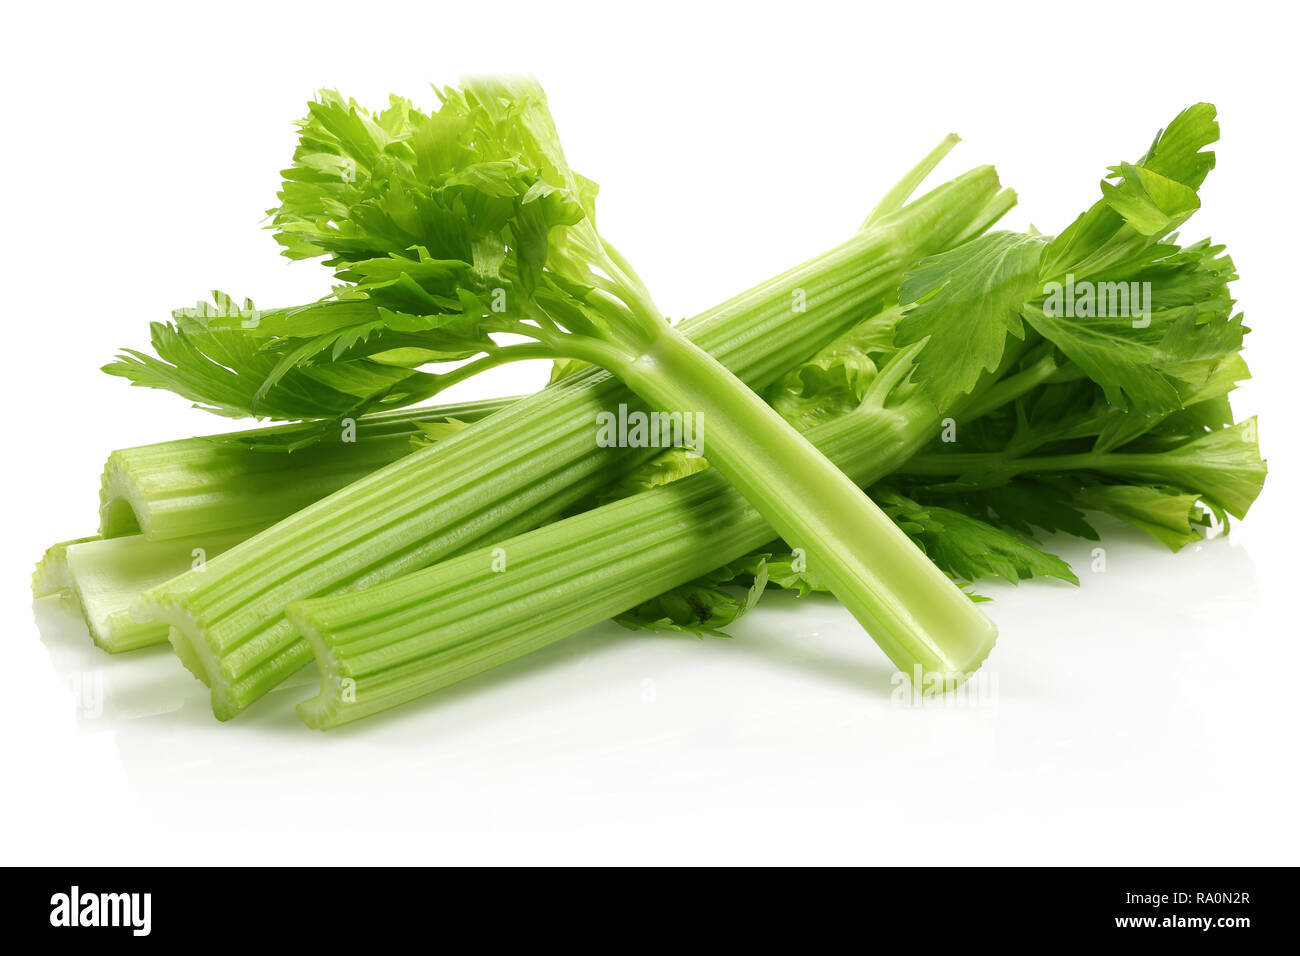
[51, 577]
[210, 485]
[195, 496]
[107, 575]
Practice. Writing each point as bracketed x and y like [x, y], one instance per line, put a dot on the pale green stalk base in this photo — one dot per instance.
[51, 576]
[106, 576]
[197, 493]
[101, 578]
[526, 466]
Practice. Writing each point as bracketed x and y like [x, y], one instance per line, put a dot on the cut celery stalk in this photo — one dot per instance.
[100, 578]
[51, 576]
[210, 485]
[107, 575]
[222, 480]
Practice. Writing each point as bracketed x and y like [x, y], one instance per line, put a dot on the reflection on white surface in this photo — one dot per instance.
[1107, 697]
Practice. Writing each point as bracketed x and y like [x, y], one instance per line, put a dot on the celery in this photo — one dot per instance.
[101, 578]
[252, 478]
[536, 459]
[1223, 464]
[418, 569]
[52, 577]
[194, 496]
[108, 575]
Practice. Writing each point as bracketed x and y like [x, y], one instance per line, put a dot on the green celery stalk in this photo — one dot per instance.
[533, 460]
[246, 479]
[195, 495]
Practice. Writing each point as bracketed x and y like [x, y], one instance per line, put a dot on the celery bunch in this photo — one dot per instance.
[927, 360]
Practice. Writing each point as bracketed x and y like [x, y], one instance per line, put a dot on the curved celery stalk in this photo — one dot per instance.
[525, 466]
[203, 486]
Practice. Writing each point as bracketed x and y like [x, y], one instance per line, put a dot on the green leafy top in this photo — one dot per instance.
[443, 229]
[967, 303]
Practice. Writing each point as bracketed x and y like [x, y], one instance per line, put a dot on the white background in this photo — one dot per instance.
[1147, 716]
